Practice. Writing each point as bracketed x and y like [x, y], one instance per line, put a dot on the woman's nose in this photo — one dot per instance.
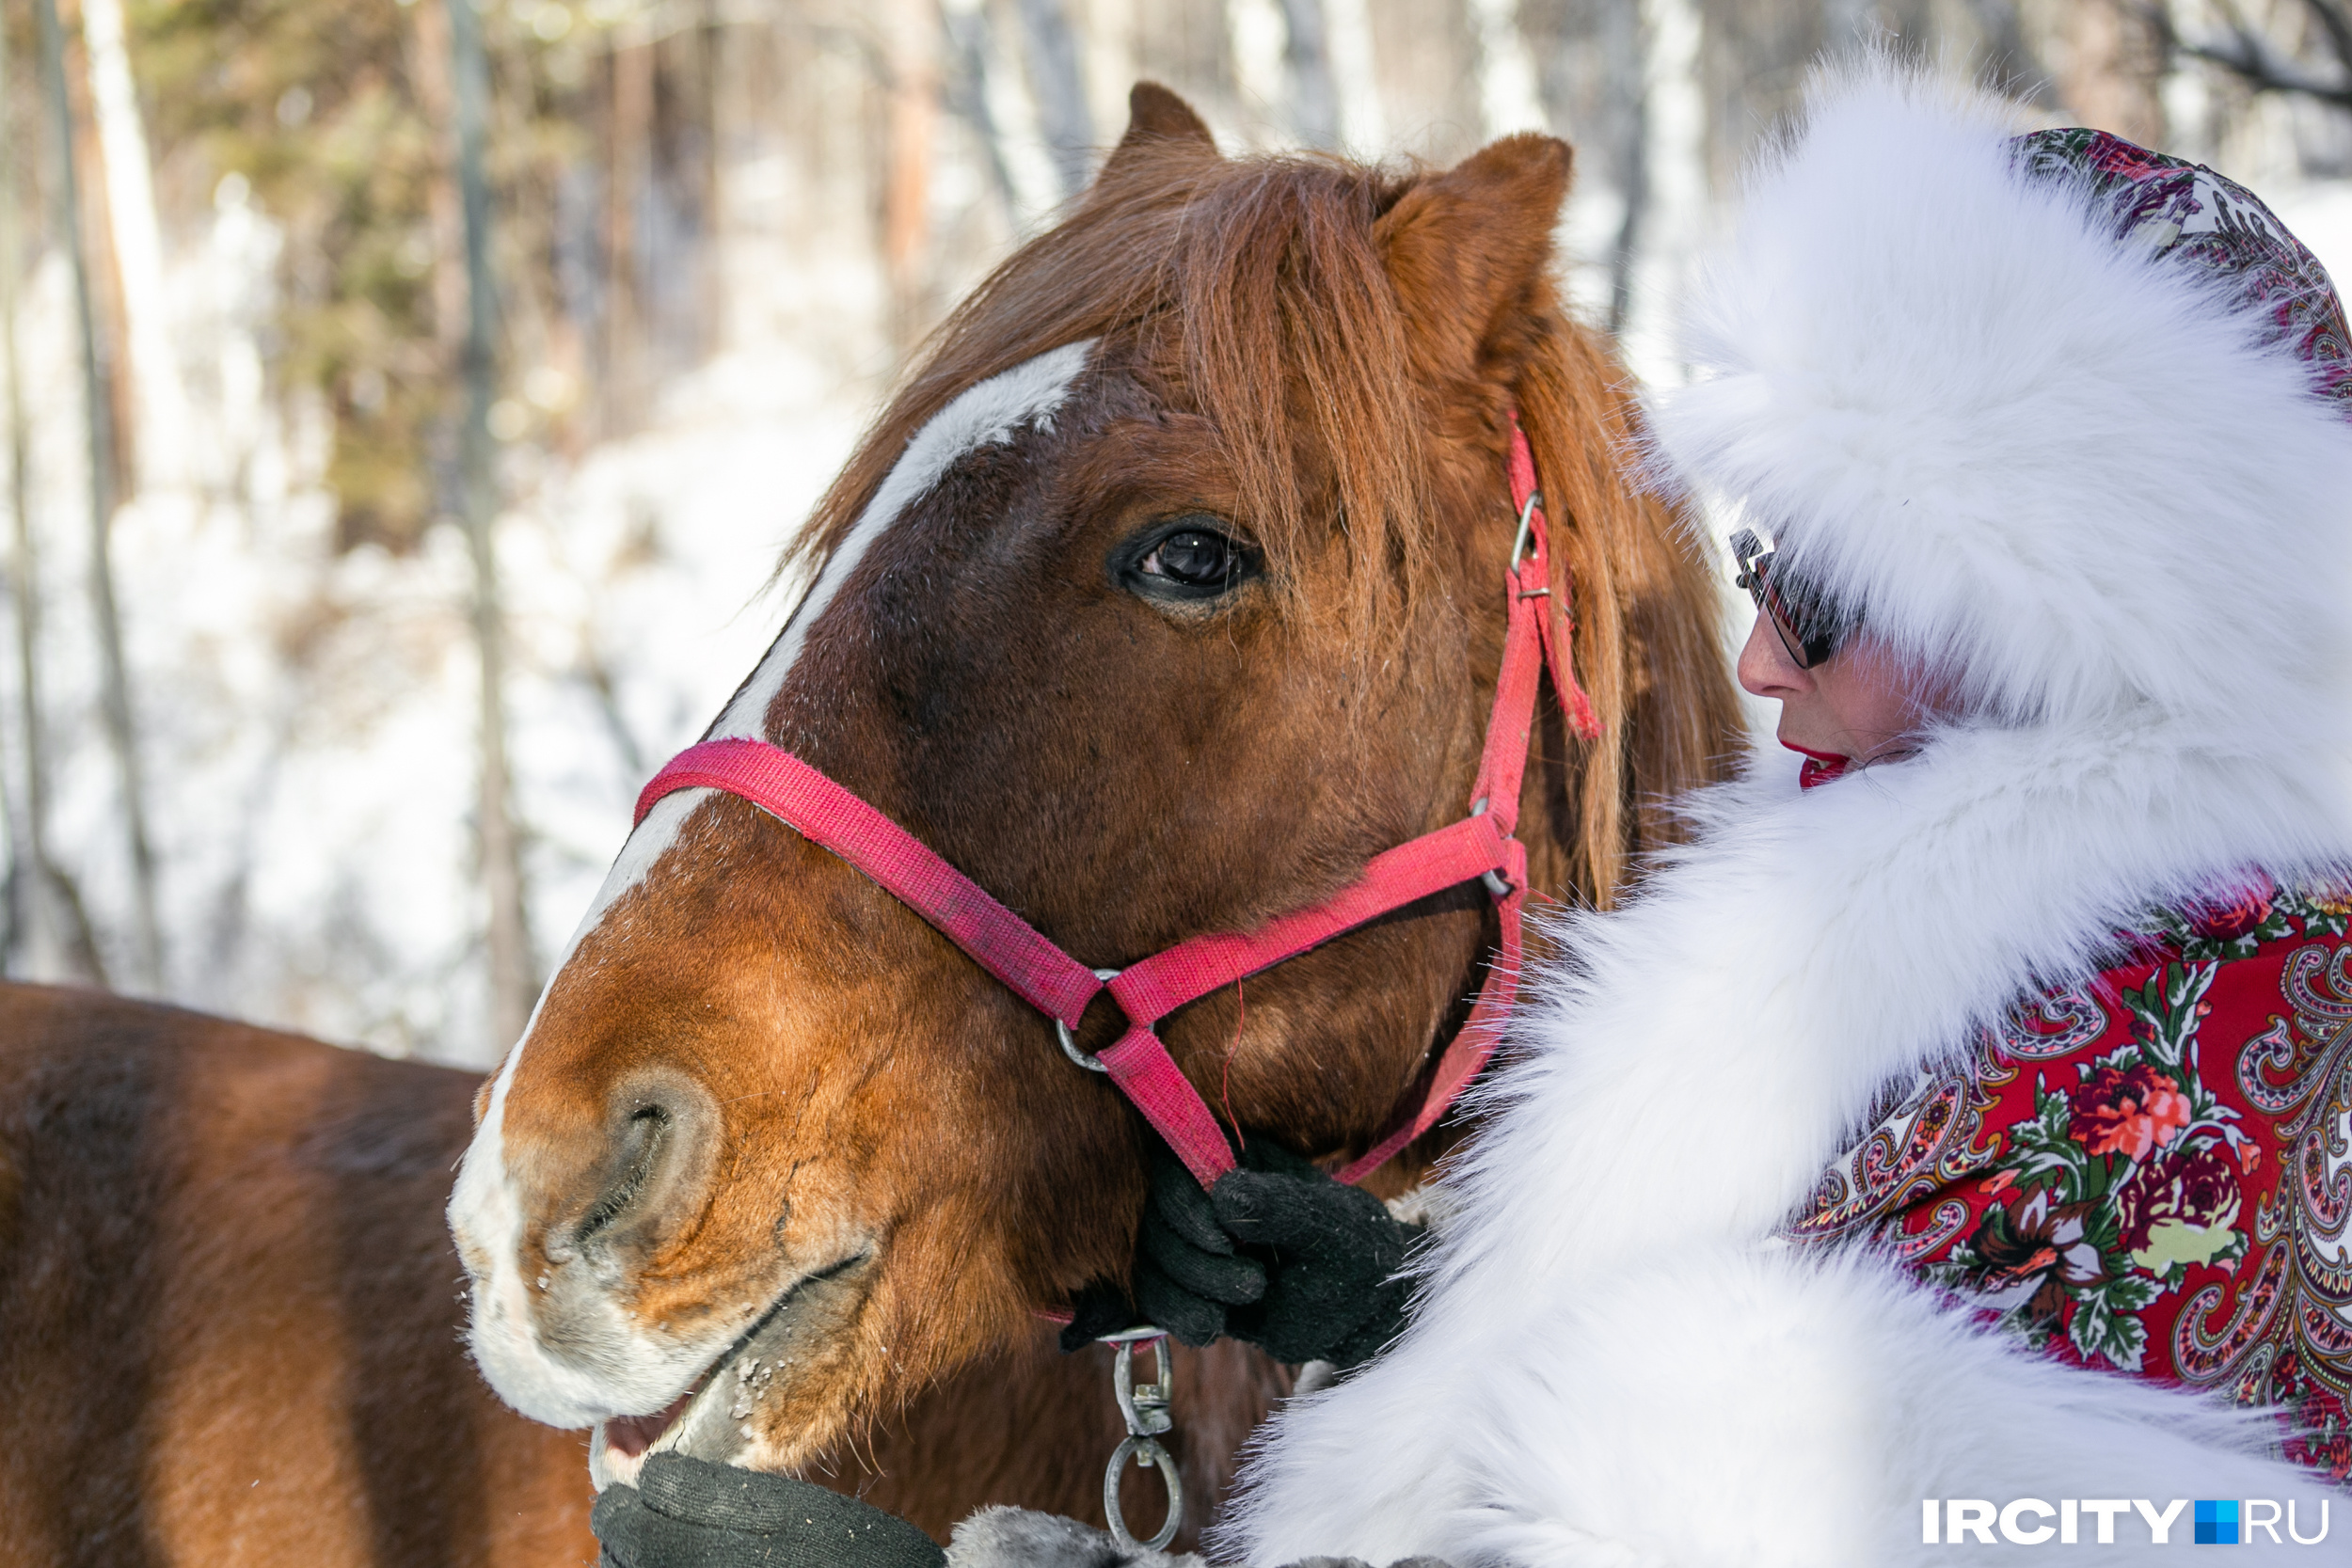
[1765, 668]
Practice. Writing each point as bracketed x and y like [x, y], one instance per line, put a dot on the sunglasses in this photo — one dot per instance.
[1808, 627]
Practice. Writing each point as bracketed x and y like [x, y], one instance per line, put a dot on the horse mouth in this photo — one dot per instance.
[708, 1421]
[620, 1442]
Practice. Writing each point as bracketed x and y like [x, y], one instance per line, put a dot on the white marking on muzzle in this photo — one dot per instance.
[627, 1371]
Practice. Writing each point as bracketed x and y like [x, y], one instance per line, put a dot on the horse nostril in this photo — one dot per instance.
[641, 1149]
[657, 1164]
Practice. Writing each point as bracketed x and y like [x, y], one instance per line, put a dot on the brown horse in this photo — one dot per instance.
[758, 1089]
[1164, 598]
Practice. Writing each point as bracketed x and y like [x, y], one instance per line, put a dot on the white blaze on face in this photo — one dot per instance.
[626, 1372]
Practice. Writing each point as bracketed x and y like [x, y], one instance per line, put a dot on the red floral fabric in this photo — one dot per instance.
[2162, 205]
[2150, 1171]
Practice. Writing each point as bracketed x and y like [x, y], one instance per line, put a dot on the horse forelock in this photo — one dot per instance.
[1259, 284]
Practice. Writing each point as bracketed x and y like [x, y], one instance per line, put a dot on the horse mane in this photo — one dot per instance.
[1649, 615]
[1270, 272]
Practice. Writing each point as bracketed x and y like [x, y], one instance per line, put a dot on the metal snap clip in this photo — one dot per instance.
[1145, 1409]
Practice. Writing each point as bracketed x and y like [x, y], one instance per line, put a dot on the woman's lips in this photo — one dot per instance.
[1819, 766]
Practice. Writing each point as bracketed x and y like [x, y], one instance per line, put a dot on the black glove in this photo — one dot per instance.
[691, 1513]
[1097, 1310]
[1279, 1254]
[1330, 1251]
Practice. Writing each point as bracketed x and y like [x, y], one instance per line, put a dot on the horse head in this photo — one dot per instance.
[1163, 597]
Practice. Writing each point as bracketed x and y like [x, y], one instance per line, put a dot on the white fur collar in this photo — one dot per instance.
[1612, 1287]
[1813, 947]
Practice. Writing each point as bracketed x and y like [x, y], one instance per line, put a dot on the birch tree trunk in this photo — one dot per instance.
[1314, 106]
[1058, 82]
[97, 382]
[911, 42]
[629, 161]
[2010, 62]
[1354, 77]
[1254, 42]
[1507, 94]
[52, 938]
[513, 985]
[432, 57]
[1754, 59]
[27, 930]
[162, 447]
[1625, 64]
[966, 28]
[1675, 160]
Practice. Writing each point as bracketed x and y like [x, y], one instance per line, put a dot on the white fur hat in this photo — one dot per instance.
[2057, 414]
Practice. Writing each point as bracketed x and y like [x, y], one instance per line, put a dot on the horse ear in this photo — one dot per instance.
[1159, 122]
[1466, 248]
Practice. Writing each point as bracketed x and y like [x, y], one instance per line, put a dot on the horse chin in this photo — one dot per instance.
[717, 1418]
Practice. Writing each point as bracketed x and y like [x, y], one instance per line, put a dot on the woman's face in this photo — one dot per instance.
[1862, 703]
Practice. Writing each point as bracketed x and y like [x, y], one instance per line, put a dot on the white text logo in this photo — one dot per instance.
[2070, 1521]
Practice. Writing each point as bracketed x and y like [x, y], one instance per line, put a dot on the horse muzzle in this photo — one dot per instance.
[718, 1417]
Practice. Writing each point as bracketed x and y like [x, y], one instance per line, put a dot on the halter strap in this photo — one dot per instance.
[1479, 846]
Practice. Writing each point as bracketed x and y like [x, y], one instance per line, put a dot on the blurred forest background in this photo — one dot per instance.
[405, 399]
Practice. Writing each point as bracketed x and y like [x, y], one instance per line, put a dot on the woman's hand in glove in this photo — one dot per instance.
[1277, 1254]
[691, 1513]
[1333, 1254]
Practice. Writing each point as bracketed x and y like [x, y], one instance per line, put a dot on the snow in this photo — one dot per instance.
[306, 718]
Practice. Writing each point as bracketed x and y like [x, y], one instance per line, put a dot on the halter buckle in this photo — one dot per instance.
[1070, 1041]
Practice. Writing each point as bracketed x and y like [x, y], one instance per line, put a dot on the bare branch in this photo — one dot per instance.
[2335, 20]
[2247, 54]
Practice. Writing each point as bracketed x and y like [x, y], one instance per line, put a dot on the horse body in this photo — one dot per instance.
[227, 1314]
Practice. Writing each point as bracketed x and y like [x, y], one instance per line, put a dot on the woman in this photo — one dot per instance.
[2044, 964]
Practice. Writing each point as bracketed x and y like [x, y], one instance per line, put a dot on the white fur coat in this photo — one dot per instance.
[2068, 470]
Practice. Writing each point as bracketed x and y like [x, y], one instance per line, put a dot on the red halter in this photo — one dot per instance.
[1479, 846]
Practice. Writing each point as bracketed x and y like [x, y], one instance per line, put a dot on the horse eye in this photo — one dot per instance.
[1195, 558]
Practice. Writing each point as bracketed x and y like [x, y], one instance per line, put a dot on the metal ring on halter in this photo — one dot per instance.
[1494, 884]
[1070, 1041]
[1147, 1450]
[1527, 512]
